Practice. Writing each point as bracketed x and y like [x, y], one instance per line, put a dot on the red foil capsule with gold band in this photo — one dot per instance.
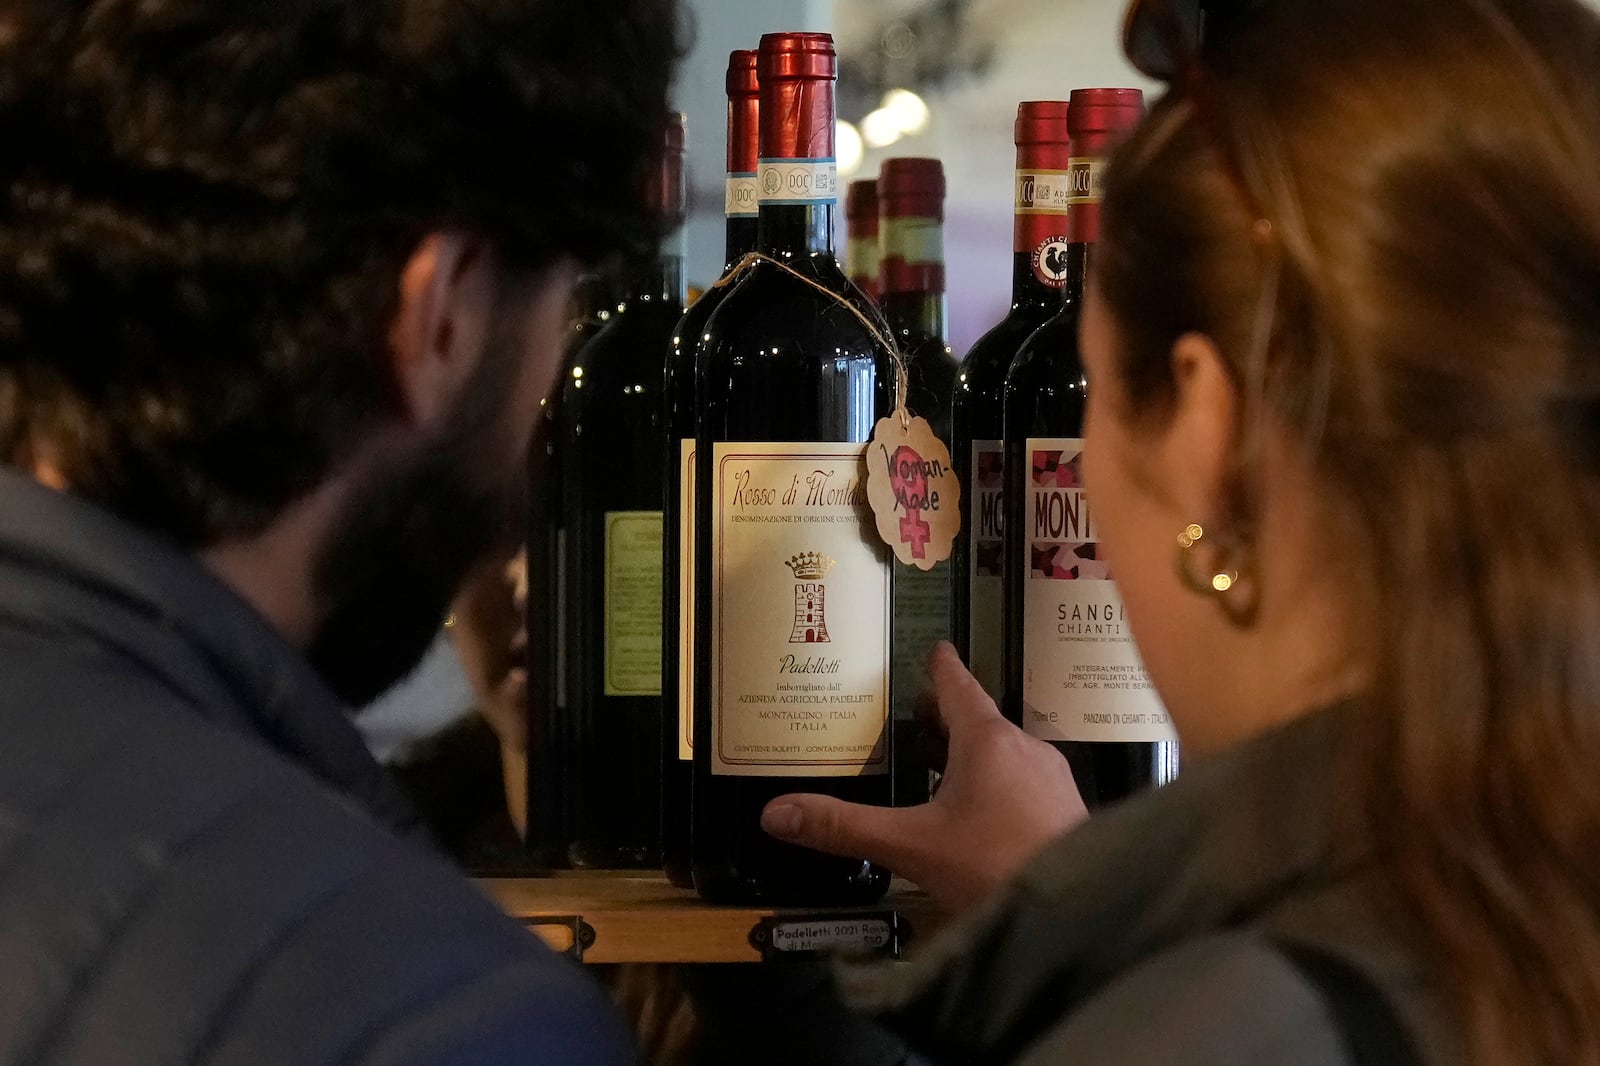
[911, 190]
[1044, 161]
[1100, 119]
[864, 262]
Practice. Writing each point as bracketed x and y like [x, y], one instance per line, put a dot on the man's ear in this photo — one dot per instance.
[1201, 440]
[437, 340]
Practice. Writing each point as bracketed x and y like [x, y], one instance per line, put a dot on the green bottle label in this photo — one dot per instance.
[633, 603]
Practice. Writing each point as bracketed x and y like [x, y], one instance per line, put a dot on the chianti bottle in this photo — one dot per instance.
[613, 449]
[1073, 675]
[862, 251]
[677, 646]
[793, 588]
[1038, 269]
[911, 235]
[549, 725]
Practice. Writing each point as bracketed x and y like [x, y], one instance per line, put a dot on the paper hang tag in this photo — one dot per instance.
[913, 490]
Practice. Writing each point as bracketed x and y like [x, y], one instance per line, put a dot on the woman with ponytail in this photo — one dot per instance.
[1343, 347]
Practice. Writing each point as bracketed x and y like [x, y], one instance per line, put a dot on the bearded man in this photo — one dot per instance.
[281, 286]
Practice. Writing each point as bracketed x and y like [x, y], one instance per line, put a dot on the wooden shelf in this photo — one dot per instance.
[629, 917]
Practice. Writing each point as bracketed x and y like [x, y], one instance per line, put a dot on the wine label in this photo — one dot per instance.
[1082, 677]
[1043, 202]
[1044, 192]
[914, 492]
[563, 606]
[798, 181]
[827, 935]
[913, 240]
[921, 620]
[1086, 180]
[800, 612]
[741, 196]
[863, 259]
[1088, 177]
[633, 603]
[686, 454]
[987, 554]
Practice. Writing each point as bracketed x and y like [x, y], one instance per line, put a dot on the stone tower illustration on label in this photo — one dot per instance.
[810, 597]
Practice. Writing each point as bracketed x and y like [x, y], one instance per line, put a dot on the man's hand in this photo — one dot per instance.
[1004, 796]
[491, 636]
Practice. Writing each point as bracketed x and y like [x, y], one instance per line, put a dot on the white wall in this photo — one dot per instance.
[1043, 50]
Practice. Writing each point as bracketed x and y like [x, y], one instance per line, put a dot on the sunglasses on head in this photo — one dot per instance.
[1161, 37]
[1166, 40]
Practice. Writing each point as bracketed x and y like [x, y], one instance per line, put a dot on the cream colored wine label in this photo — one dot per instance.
[798, 181]
[1082, 676]
[914, 240]
[1043, 192]
[800, 614]
[864, 259]
[633, 603]
[686, 455]
[986, 559]
[741, 196]
[1087, 180]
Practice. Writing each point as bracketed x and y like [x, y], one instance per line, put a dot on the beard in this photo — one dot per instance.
[412, 530]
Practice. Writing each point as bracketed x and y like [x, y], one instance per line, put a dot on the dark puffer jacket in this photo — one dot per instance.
[200, 863]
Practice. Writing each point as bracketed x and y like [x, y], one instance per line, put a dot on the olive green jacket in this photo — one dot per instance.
[1165, 931]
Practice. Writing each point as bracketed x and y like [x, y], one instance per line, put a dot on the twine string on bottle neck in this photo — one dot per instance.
[886, 339]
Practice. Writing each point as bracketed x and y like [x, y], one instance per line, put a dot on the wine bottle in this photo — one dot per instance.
[911, 234]
[1073, 675]
[677, 645]
[793, 587]
[549, 726]
[862, 251]
[1038, 269]
[614, 452]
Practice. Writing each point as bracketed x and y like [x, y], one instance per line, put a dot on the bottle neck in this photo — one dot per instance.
[740, 239]
[660, 281]
[1041, 227]
[595, 295]
[864, 258]
[1027, 291]
[913, 272]
[920, 314]
[792, 231]
[1079, 258]
[1083, 224]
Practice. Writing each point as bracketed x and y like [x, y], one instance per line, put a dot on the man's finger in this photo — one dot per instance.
[962, 701]
[883, 835]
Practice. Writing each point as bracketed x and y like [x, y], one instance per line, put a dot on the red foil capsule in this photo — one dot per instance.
[862, 258]
[797, 72]
[1044, 160]
[669, 193]
[911, 203]
[1099, 120]
[744, 111]
[861, 205]
[911, 188]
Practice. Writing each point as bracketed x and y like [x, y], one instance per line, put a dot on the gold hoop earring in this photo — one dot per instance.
[1230, 580]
